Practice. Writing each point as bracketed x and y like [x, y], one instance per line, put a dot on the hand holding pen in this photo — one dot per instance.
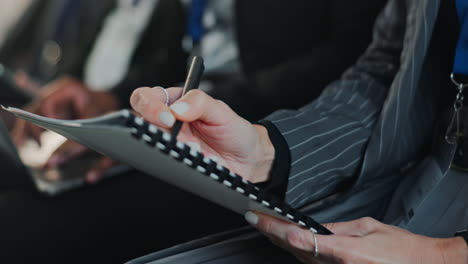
[210, 125]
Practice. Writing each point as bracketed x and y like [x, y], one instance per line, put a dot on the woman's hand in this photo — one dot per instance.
[361, 241]
[210, 124]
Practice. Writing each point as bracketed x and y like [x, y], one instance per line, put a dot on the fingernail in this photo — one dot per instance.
[135, 98]
[167, 118]
[251, 218]
[180, 108]
[92, 177]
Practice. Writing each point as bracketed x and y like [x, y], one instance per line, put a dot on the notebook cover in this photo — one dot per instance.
[133, 141]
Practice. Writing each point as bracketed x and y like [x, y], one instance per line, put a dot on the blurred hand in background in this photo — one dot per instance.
[66, 98]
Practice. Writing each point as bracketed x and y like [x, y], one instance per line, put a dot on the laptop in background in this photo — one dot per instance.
[27, 173]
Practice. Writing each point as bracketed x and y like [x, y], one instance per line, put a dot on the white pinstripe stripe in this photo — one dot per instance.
[381, 138]
[425, 28]
[281, 120]
[382, 125]
[323, 173]
[317, 194]
[397, 115]
[397, 121]
[371, 121]
[304, 126]
[330, 160]
[352, 98]
[326, 145]
[368, 100]
[319, 103]
[334, 108]
[291, 117]
[364, 121]
[279, 113]
[338, 94]
[364, 104]
[326, 133]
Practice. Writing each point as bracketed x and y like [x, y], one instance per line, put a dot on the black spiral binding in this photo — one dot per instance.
[166, 143]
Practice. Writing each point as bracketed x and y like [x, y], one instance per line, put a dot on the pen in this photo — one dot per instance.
[191, 82]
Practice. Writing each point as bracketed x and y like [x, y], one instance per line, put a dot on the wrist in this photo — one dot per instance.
[264, 156]
[453, 250]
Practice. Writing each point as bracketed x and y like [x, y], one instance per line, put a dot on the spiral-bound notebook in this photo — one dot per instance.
[130, 139]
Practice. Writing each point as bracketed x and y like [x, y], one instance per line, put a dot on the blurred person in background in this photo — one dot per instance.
[89, 54]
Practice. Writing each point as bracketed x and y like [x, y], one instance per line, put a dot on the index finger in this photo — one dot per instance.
[334, 246]
[150, 102]
[291, 234]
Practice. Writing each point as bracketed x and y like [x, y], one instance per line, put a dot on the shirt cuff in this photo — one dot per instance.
[279, 174]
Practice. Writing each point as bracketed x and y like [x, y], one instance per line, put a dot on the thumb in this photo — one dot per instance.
[197, 105]
[356, 228]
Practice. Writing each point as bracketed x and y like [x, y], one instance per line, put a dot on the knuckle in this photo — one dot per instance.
[294, 239]
[197, 98]
[221, 103]
[353, 259]
[366, 223]
[136, 97]
[330, 226]
[368, 219]
[197, 93]
[267, 226]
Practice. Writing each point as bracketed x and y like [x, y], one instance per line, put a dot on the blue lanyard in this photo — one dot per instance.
[195, 20]
[460, 65]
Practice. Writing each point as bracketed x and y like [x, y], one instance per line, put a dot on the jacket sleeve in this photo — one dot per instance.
[327, 138]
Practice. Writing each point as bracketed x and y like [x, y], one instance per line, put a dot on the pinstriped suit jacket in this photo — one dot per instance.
[368, 128]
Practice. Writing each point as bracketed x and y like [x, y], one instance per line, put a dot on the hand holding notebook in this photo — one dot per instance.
[212, 125]
[144, 146]
[231, 147]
